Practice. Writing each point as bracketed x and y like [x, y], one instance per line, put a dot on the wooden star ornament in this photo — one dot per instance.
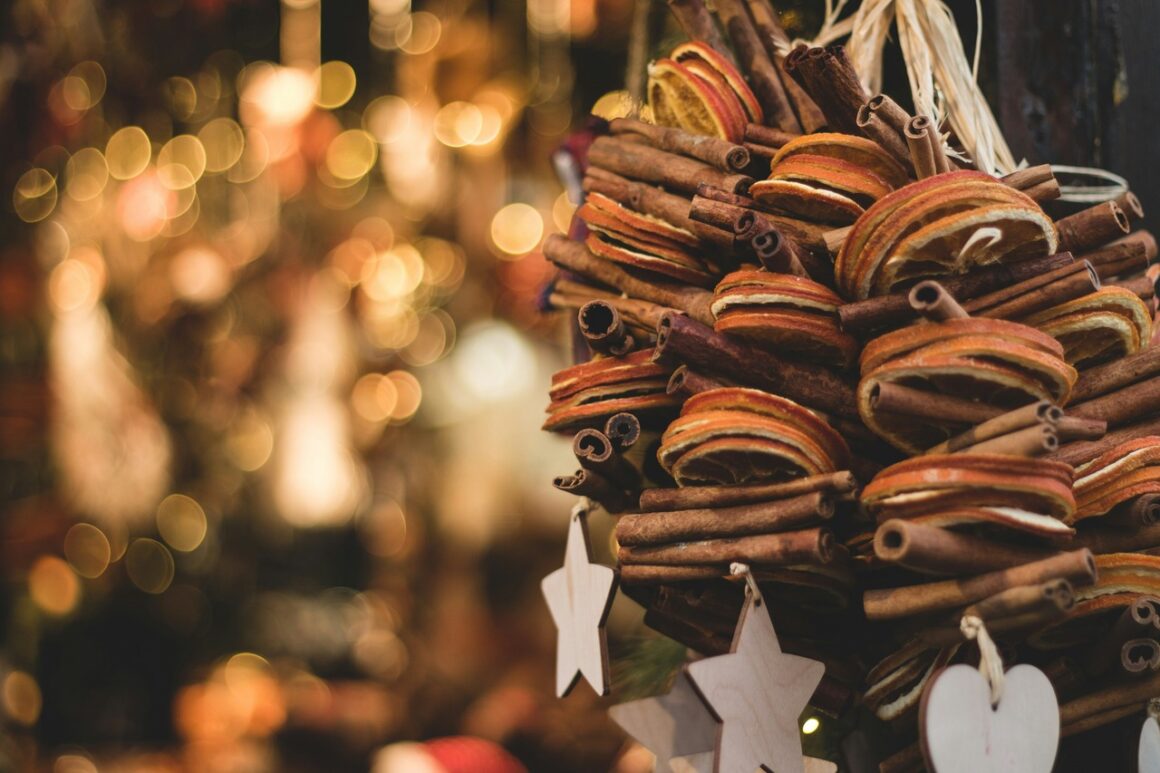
[757, 692]
[579, 596]
[671, 726]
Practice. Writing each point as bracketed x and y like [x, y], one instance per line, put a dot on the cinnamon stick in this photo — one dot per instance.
[1142, 510]
[1110, 540]
[1131, 205]
[1076, 566]
[889, 111]
[1139, 656]
[1042, 412]
[623, 430]
[595, 453]
[717, 238]
[809, 234]
[932, 550]
[695, 344]
[775, 40]
[1117, 374]
[1024, 179]
[888, 138]
[778, 253]
[1029, 441]
[1139, 619]
[1118, 258]
[932, 301]
[1080, 451]
[648, 199]
[695, 19]
[722, 154]
[1023, 599]
[688, 498]
[1044, 191]
[688, 382]
[603, 329]
[737, 521]
[647, 574]
[1092, 227]
[863, 317]
[586, 483]
[768, 136]
[807, 546]
[755, 62]
[1123, 406]
[1051, 288]
[907, 401]
[925, 147]
[574, 256]
[674, 172]
[831, 82]
[1074, 428]
[1142, 286]
[638, 313]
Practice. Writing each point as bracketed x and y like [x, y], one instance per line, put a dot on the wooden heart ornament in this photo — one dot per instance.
[1148, 755]
[962, 733]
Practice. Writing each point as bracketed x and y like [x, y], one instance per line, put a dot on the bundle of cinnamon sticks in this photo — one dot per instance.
[819, 342]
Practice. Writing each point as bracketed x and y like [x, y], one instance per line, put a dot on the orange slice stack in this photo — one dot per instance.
[996, 362]
[941, 225]
[737, 435]
[990, 492]
[1116, 476]
[698, 90]
[638, 241]
[828, 177]
[587, 395]
[788, 314]
[1110, 323]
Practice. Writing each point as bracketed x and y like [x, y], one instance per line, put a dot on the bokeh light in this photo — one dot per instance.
[517, 229]
[181, 522]
[128, 152]
[88, 550]
[53, 585]
[149, 565]
[22, 698]
[336, 84]
[35, 195]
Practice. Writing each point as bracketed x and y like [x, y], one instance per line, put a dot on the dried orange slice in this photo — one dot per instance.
[807, 201]
[1111, 322]
[686, 53]
[670, 263]
[680, 98]
[859, 151]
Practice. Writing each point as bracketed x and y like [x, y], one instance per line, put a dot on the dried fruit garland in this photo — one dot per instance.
[775, 380]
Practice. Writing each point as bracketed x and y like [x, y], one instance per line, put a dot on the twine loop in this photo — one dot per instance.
[990, 664]
[739, 569]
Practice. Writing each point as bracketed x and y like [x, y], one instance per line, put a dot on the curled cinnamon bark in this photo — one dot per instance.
[767, 136]
[1118, 258]
[932, 301]
[1080, 451]
[688, 382]
[926, 152]
[874, 126]
[831, 82]
[662, 528]
[720, 153]
[807, 546]
[1077, 566]
[1042, 412]
[1140, 619]
[1131, 205]
[776, 41]
[623, 430]
[603, 329]
[1024, 599]
[567, 294]
[1092, 227]
[890, 112]
[778, 253]
[1139, 656]
[595, 453]
[1023, 179]
[931, 550]
[660, 499]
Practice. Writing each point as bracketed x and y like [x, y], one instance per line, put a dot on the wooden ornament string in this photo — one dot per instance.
[738, 569]
[990, 664]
